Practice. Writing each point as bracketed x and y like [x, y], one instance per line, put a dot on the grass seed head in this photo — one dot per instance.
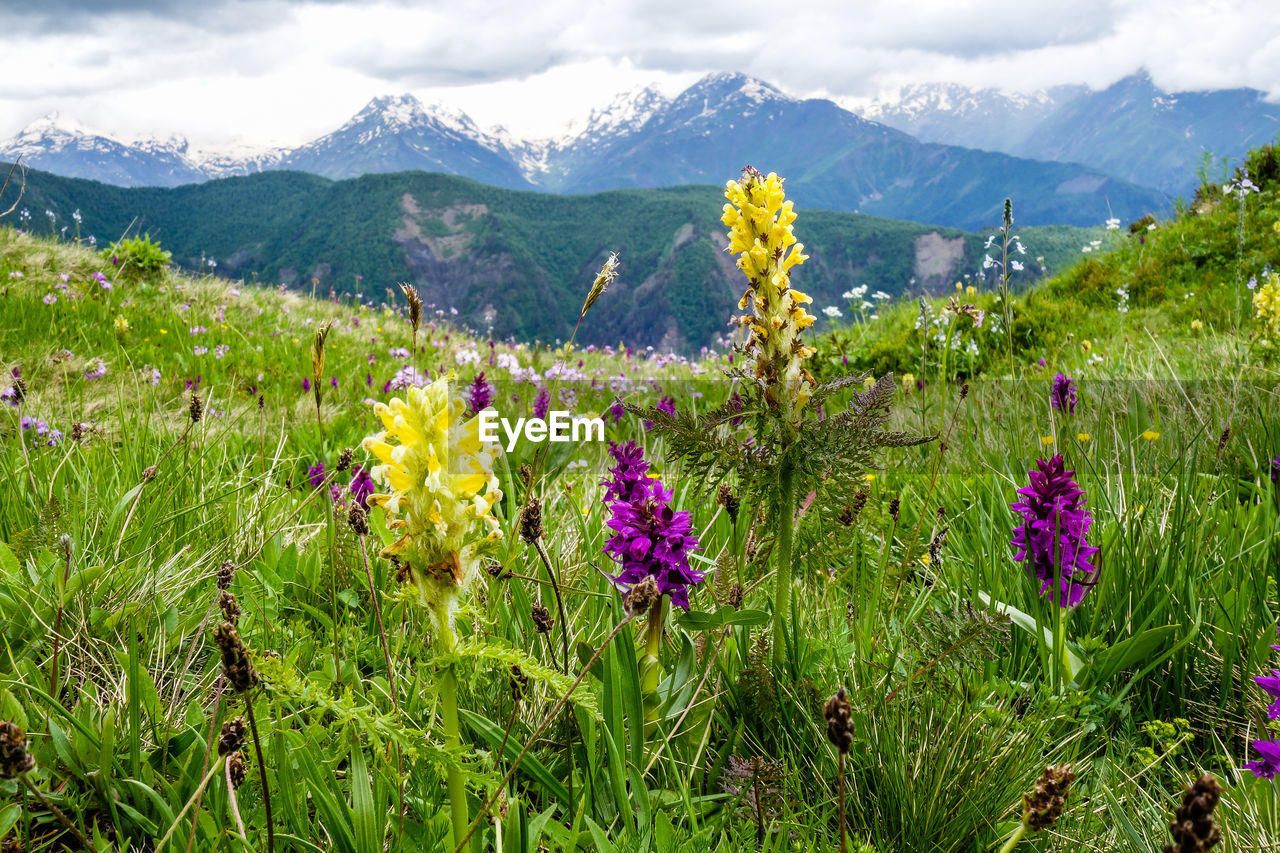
[234, 731]
[1043, 806]
[236, 665]
[1194, 829]
[541, 616]
[839, 715]
[196, 409]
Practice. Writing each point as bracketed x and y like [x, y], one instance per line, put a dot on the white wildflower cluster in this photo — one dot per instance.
[1123, 294]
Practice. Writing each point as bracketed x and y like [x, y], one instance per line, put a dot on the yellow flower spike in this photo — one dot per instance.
[441, 488]
[1047, 440]
[1082, 437]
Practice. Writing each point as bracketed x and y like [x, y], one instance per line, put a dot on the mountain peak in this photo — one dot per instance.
[726, 84]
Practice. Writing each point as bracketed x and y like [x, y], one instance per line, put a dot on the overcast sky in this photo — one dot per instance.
[221, 71]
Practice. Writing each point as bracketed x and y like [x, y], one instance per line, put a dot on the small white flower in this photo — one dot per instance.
[1017, 265]
[1113, 224]
[832, 311]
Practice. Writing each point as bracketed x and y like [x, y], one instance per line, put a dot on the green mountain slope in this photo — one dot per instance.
[515, 263]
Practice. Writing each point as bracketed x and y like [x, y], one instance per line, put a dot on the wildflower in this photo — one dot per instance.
[1271, 684]
[760, 233]
[908, 381]
[406, 377]
[650, 539]
[441, 485]
[542, 404]
[1266, 304]
[1268, 764]
[306, 384]
[1051, 539]
[1047, 440]
[480, 393]
[315, 474]
[832, 312]
[1150, 435]
[1062, 396]
[96, 369]
[1197, 326]
[1193, 827]
[1086, 346]
[1082, 436]
[1275, 470]
[616, 410]
[49, 299]
[362, 485]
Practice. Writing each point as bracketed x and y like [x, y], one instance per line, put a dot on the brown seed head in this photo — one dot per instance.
[541, 617]
[736, 594]
[839, 714]
[1224, 438]
[226, 574]
[196, 409]
[1194, 829]
[358, 519]
[236, 665]
[727, 499]
[239, 769]
[19, 389]
[15, 758]
[1043, 806]
[149, 473]
[344, 458]
[531, 521]
[229, 606]
[895, 507]
[234, 732]
[641, 596]
[519, 683]
[415, 304]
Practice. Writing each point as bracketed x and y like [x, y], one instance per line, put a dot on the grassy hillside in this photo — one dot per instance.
[512, 260]
[123, 519]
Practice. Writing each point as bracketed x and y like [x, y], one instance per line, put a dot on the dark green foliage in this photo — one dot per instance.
[137, 258]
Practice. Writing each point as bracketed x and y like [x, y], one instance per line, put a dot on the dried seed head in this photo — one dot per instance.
[226, 574]
[236, 665]
[964, 390]
[15, 758]
[895, 507]
[641, 596]
[261, 402]
[19, 389]
[234, 732]
[239, 769]
[519, 683]
[839, 714]
[935, 546]
[317, 355]
[77, 432]
[541, 617]
[526, 474]
[531, 521]
[344, 458]
[415, 304]
[1193, 828]
[196, 409]
[149, 473]
[736, 594]
[1043, 806]
[603, 279]
[358, 519]
[229, 606]
[1224, 438]
[727, 499]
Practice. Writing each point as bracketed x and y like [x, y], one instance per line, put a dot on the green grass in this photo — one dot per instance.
[956, 706]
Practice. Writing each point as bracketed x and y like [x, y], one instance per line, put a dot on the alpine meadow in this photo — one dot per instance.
[433, 514]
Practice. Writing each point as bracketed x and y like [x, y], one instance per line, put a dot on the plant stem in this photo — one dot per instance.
[786, 530]
[452, 737]
[262, 774]
[199, 792]
[844, 841]
[564, 638]
[382, 631]
[650, 664]
[75, 830]
[1014, 839]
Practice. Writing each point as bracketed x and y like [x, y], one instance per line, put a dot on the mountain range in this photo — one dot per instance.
[515, 263]
[1132, 129]
[832, 158]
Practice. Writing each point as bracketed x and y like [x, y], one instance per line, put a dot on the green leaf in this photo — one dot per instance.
[530, 766]
[8, 563]
[1126, 654]
[1028, 623]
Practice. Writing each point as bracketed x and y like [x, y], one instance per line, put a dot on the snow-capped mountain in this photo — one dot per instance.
[399, 133]
[1131, 129]
[59, 145]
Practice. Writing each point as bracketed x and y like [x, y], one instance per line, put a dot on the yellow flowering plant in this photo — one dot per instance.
[440, 494]
[440, 491]
[791, 451]
[1266, 306]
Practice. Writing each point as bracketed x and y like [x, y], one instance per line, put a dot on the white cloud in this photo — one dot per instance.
[285, 72]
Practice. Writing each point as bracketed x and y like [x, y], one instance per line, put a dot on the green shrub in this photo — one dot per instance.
[138, 258]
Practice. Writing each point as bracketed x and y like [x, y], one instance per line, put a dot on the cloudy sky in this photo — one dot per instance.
[284, 72]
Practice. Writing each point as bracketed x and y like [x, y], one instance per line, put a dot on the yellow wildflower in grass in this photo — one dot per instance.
[868, 383]
[759, 219]
[1086, 346]
[1150, 435]
[1082, 437]
[1047, 440]
[908, 381]
[971, 291]
[441, 490]
[1266, 305]
[1197, 326]
[122, 324]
